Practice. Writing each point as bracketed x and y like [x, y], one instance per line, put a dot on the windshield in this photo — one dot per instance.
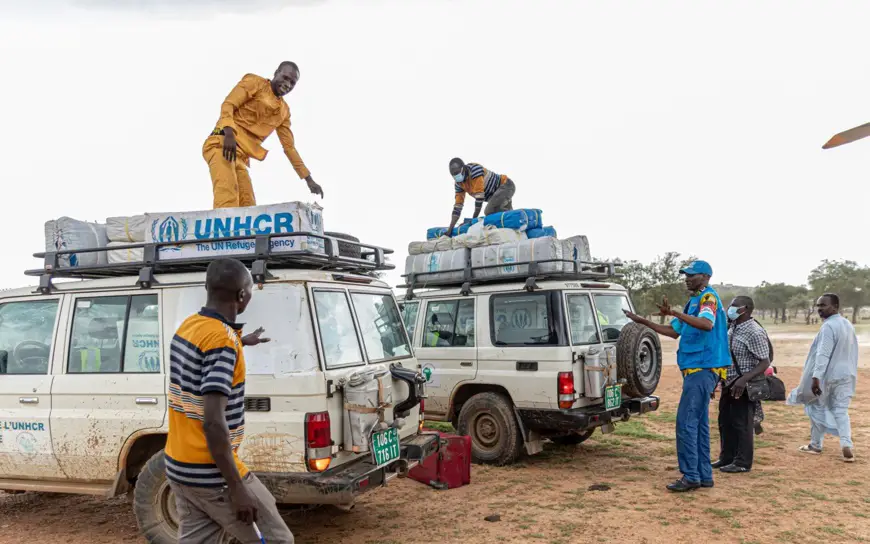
[611, 318]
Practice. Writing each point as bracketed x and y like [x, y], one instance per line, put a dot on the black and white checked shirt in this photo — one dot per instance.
[748, 342]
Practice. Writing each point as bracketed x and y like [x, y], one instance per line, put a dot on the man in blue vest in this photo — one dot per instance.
[703, 358]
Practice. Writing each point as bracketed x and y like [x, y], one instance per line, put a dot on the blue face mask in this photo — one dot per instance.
[733, 312]
[460, 177]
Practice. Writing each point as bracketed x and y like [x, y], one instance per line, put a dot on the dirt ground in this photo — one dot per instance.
[788, 497]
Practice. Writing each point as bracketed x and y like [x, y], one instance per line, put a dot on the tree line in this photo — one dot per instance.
[649, 282]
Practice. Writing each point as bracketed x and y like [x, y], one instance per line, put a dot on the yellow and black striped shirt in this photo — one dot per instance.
[480, 184]
[205, 357]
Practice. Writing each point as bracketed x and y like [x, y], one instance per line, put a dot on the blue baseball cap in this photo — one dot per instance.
[698, 267]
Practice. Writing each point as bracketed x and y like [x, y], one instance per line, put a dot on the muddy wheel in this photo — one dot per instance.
[345, 249]
[489, 419]
[571, 439]
[154, 503]
[639, 360]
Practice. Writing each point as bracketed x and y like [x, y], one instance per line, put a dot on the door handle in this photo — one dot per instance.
[466, 363]
[146, 400]
[28, 400]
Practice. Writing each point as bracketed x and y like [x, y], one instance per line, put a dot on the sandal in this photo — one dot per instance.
[809, 449]
[848, 456]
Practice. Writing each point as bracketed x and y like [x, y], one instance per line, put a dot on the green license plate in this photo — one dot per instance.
[612, 397]
[385, 446]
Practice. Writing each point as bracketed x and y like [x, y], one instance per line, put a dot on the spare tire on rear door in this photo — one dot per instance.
[638, 360]
[345, 249]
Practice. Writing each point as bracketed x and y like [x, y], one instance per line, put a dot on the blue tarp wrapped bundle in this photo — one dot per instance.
[436, 232]
[515, 219]
[541, 232]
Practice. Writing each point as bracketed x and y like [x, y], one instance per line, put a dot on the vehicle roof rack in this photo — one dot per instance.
[474, 275]
[263, 257]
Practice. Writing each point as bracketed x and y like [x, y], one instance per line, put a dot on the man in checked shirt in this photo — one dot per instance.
[497, 190]
[750, 358]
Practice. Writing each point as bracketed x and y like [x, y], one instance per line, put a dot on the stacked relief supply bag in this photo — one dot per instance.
[65, 234]
[438, 266]
[576, 248]
[188, 231]
[524, 251]
[124, 231]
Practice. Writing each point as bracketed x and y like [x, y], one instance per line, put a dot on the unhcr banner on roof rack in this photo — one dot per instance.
[189, 229]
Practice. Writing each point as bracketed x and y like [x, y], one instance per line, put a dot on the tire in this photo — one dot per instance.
[489, 419]
[638, 360]
[154, 503]
[344, 249]
[571, 439]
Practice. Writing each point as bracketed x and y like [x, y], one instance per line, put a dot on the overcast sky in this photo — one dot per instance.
[648, 126]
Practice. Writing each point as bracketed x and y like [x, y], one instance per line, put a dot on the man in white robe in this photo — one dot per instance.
[829, 379]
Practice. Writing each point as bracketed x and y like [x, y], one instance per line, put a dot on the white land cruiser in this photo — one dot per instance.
[515, 357]
[332, 405]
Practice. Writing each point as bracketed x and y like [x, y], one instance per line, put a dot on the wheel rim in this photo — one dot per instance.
[166, 499]
[647, 362]
[485, 431]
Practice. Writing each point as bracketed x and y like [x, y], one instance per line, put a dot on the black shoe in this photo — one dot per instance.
[707, 485]
[718, 463]
[682, 485]
[758, 429]
[733, 469]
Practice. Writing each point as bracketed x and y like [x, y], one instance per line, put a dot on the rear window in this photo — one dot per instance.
[380, 326]
[409, 316]
[611, 319]
[527, 320]
[337, 332]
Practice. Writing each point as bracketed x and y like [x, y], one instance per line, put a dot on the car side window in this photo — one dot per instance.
[115, 334]
[524, 320]
[583, 329]
[449, 323]
[26, 330]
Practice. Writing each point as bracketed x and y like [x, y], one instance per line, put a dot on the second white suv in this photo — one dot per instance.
[512, 362]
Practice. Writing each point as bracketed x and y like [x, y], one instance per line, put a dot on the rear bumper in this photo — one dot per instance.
[344, 483]
[581, 419]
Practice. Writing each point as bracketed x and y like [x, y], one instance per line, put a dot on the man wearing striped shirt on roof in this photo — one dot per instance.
[497, 190]
[214, 491]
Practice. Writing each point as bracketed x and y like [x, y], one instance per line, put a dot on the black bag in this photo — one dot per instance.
[761, 387]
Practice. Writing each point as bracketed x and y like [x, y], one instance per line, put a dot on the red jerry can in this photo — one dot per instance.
[448, 468]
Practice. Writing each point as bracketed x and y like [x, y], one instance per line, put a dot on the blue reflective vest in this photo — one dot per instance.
[703, 349]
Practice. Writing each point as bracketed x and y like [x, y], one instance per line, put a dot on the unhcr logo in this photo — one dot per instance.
[169, 230]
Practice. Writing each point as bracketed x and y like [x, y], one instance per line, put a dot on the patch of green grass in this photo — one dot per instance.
[665, 523]
[854, 482]
[764, 444]
[664, 417]
[637, 429]
[736, 524]
[831, 530]
[719, 512]
[442, 426]
[717, 532]
[803, 493]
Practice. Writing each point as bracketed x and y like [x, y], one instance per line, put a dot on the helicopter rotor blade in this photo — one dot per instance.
[848, 136]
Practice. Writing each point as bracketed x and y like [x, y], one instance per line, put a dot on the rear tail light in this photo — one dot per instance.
[319, 441]
[422, 419]
[565, 382]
